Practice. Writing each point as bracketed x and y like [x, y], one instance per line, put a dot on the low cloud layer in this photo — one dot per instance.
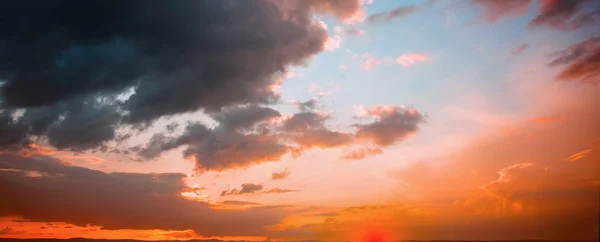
[117, 200]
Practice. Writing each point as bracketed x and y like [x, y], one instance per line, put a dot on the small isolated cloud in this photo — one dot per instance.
[247, 188]
[306, 106]
[355, 32]
[362, 153]
[343, 67]
[520, 49]
[410, 59]
[240, 203]
[578, 155]
[250, 188]
[366, 2]
[370, 63]
[392, 124]
[281, 175]
[281, 190]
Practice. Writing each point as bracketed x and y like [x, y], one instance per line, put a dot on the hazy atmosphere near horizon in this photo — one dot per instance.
[289, 120]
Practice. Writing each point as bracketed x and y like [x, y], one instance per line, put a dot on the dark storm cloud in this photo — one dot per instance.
[170, 57]
[392, 125]
[13, 134]
[84, 126]
[117, 200]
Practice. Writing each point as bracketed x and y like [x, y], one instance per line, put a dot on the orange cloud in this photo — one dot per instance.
[362, 153]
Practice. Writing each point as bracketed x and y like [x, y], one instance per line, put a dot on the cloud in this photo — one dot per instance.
[333, 43]
[392, 124]
[308, 130]
[117, 200]
[410, 59]
[281, 175]
[496, 10]
[280, 190]
[343, 67]
[307, 105]
[10, 231]
[247, 188]
[582, 62]
[239, 203]
[362, 153]
[520, 49]
[563, 15]
[244, 117]
[355, 32]
[399, 12]
[92, 77]
[579, 155]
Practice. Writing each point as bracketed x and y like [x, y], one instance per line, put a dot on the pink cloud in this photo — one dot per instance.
[410, 59]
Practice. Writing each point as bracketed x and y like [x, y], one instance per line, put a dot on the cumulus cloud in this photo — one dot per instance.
[91, 77]
[410, 59]
[308, 130]
[392, 124]
[118, 200]
[582, 61]
[281, 175]
[244, 117]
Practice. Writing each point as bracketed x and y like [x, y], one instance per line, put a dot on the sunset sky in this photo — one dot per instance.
[333, 120]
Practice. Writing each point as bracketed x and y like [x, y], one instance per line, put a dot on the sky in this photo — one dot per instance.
[263, 120]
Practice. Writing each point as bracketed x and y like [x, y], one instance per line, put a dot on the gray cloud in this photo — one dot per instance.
[398, 12]
[392, 125]
[117, 200]
[564, 15]
[196, 55]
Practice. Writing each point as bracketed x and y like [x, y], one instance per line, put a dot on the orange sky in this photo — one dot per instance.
[503, 144]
